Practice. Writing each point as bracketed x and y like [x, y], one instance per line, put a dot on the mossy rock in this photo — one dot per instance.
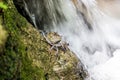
[15, 63]
[63, 65]
[27, 55]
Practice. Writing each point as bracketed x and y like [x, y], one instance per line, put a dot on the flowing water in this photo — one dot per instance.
[96, 41]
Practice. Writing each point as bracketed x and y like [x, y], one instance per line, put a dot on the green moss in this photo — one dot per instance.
[27, 56]
[3, 6]
[14, 61]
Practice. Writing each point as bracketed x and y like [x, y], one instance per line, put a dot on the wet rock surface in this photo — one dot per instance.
[28, 56]
[60, 66]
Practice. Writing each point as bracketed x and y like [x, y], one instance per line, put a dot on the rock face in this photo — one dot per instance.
[61, 65]
[28, 56]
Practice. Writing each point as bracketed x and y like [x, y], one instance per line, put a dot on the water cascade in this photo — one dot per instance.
[94, 36]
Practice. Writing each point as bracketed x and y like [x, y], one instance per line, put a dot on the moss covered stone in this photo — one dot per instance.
[15, 63]
[27, 55]
[63, 65]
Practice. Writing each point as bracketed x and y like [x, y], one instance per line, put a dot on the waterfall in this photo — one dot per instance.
[92, 34]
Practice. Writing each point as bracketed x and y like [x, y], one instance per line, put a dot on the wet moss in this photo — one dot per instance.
[63, 66]
[27, 55]
[15, 63]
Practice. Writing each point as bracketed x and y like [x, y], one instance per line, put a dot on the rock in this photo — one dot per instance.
[61, 67]
[54, 37]
[27, 55]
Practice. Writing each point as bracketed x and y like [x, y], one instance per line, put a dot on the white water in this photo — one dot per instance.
[98, 49]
